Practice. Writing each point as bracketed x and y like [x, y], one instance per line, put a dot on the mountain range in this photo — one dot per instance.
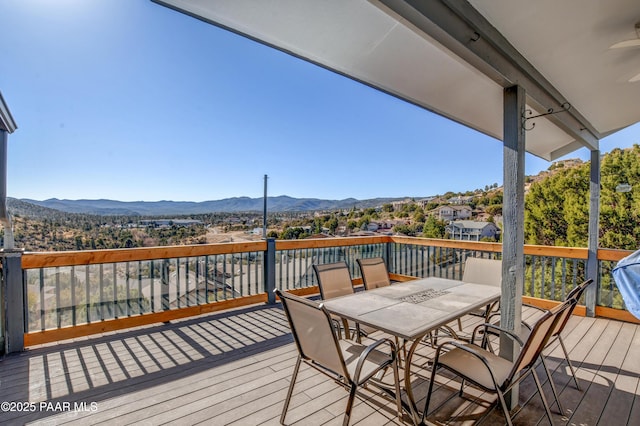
[281, 203]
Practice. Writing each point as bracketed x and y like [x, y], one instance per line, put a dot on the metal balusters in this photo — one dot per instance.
[127, 281]
[260, 260]
[552, 290]
[242, 292]
[232, 274]
[178, 301]
[116, 300]
[563, 289]
[140, 298]
[224, 277]
[575, 273]
[73, 296]
[57, 295]
[152, 286]
[543, 264]
[101, 284]
[87, 294]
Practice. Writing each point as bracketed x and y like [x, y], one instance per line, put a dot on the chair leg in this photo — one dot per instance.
[434, 367]
[293, 382]
[347, 411]
[544, 400]
[566, 355]
[505, 409]
[553, 386]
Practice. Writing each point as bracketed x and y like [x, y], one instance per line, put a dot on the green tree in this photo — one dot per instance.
[434, 228]
[332, 224]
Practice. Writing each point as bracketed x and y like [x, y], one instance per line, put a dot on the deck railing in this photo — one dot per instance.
[67, 294]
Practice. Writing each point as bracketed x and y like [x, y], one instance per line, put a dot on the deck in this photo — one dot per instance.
[234, 368]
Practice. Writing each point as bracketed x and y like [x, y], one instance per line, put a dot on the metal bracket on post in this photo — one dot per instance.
[13, 300]
[270, 271]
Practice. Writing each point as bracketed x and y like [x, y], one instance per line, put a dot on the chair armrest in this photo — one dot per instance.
[529, 305]
[365, 354]
[496, 328]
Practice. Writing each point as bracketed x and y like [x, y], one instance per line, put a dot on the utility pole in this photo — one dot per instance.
[264, 213]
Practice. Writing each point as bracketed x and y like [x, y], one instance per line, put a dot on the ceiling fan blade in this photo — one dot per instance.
[634, 79]
[627, 43]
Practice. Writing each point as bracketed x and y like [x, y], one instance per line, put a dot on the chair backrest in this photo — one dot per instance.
[576, 292]
[313, 333]
[483, 271]
[572, 299]
[538, 338]
[334, 279]
[564, 316]
[374, 272]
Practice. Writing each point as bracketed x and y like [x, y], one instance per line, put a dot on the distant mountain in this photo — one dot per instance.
[281, 203]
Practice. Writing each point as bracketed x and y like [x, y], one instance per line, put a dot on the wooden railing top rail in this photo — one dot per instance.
[553, 251]
[463, 245]
[330, 242]
[31, 260]
[612, 255]
[90, 257]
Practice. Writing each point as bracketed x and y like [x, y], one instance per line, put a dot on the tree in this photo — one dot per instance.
[434, 228]
[494, 210]
[556, 209]
[332, 224]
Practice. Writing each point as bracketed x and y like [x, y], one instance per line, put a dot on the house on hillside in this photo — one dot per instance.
[469, 230]
[424, 201]
[461, 199]
[397, 205]
[449, 212]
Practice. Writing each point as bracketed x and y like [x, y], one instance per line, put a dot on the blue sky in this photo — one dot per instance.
[128, 100]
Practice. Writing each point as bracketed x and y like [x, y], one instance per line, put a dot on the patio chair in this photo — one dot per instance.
[483, 271]
[492, 373]
[334, 280]
[375, 275]
[374, 272]
[350, 364]
[573, 296]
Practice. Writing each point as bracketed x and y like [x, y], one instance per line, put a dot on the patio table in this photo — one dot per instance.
[412, 309]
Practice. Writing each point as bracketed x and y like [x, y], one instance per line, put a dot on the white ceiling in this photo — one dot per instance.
[399, 47]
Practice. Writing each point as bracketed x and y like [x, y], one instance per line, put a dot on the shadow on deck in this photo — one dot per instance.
[235, 366]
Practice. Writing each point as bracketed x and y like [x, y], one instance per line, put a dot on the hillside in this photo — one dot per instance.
[237, 204]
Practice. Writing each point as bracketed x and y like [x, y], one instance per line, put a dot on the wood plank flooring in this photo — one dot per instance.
[234, 368]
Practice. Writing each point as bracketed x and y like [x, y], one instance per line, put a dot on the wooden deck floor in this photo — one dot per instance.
[234, 368]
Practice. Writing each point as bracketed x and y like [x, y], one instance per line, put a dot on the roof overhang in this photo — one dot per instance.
[6, 119]
[455, 57]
